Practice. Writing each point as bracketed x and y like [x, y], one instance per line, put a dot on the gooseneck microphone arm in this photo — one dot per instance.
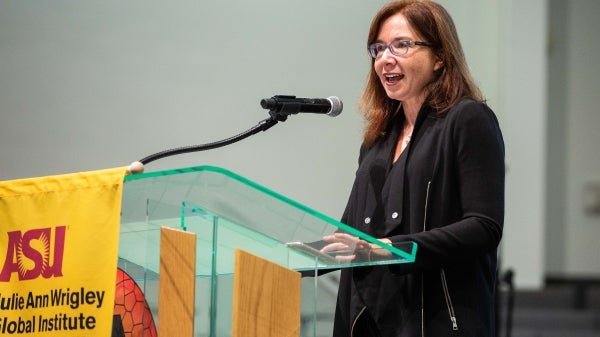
[280, 107]
[263, 125]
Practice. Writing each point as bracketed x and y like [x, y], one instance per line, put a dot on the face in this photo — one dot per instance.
[404, 78]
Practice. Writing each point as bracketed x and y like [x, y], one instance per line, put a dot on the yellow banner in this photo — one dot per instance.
[58, 254]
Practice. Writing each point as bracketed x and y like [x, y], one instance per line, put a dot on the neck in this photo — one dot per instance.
[411, 110]
[410, 115]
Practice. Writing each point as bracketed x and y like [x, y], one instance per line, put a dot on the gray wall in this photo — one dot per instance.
[523, 90]
[97, 84]
[579, 132]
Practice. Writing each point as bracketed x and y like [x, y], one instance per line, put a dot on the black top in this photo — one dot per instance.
[446, 193]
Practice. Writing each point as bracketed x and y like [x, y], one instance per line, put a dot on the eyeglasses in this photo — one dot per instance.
[397, 47]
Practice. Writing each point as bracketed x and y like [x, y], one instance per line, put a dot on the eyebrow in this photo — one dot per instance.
[396, 39]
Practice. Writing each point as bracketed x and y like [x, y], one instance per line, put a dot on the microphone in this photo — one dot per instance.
[283, 105]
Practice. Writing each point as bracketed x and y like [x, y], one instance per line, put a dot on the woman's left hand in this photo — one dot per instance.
[345, 246]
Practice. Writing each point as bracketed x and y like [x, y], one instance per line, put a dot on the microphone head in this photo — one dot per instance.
[336, 106]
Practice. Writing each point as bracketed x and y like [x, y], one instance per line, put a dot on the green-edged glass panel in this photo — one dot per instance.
[227, 211]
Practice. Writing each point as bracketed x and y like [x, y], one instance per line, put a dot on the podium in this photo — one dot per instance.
[231, 254]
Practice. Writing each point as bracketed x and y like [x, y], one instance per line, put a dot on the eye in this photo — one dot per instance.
[401, 44]
[379, 47]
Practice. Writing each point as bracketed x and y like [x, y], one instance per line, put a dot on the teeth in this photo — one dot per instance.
[393, 77]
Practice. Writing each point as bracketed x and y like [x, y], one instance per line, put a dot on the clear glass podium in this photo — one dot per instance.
[227, 211]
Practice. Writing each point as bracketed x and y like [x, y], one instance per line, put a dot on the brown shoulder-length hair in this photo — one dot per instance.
[453, 82]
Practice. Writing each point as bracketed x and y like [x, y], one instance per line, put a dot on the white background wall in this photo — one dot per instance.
[97, 84]
[524, 95]
[581, 121]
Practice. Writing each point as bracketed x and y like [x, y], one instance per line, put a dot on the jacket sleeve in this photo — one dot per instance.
[466, 213]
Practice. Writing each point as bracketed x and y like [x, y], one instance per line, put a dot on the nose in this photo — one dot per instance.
[387, 56]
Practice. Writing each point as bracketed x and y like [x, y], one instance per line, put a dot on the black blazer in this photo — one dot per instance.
[446, 193]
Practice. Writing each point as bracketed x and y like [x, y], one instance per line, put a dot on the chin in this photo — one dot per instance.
[394, 96]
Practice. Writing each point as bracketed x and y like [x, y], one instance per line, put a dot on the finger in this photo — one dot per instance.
[345, 258]
[334, 247]
[329, 238]
[344, 236]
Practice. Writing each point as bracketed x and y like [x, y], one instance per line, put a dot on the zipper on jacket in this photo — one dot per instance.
[422, 307]
[355, 320]
[426, 206]
[449, 301]
[443, 277]
[422, 274]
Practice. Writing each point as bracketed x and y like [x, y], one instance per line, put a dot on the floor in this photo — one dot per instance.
[564, 308]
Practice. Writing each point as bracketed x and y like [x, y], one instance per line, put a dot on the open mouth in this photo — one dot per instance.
[393, 78]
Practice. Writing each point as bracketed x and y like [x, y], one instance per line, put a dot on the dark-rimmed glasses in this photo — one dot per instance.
[397, 47]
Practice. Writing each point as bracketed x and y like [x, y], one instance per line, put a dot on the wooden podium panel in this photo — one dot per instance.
[266, 298]
[177, 280]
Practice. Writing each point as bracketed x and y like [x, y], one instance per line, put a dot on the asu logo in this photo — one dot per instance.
[31, 254]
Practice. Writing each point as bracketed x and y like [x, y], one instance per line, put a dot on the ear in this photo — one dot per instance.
[439, 64]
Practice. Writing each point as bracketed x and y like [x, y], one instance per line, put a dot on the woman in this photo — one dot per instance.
[431, 170]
